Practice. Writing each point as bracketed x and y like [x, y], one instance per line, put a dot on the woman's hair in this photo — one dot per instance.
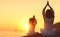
[49, 14]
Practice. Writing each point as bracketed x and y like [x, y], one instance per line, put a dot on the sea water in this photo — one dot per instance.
[10, 34]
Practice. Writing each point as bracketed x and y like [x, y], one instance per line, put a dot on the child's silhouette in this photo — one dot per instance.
[32, 24]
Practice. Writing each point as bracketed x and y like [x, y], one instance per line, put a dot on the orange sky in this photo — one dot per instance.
[15, 13]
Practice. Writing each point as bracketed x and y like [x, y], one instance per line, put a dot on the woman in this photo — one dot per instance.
[48, 17]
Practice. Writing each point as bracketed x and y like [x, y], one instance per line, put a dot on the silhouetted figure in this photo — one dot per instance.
[48, 17]
[32, 24]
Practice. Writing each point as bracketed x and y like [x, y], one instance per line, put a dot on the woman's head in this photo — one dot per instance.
[49, 14]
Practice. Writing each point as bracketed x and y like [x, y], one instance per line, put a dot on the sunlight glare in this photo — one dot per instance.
[26, 27]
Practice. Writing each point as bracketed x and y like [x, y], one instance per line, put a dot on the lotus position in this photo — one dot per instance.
[48, 17]
[32, 24]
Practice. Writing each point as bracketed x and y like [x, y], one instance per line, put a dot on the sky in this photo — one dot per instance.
[15, 14]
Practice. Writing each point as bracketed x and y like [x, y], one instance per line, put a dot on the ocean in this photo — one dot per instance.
[10, 34]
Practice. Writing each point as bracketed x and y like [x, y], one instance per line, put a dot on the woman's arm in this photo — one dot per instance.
[50, 7]
[43, 12]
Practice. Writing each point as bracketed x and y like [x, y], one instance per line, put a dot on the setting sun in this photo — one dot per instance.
[26, 27]
[15, 14]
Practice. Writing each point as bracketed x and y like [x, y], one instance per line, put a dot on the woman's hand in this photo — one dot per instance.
[48, 3]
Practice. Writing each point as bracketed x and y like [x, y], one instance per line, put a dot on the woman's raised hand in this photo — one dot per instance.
[48, 3]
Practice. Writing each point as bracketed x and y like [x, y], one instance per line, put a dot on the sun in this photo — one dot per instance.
[26, 27]
[24, 24]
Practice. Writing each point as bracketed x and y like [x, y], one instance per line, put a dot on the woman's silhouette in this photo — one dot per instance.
[48, 16]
